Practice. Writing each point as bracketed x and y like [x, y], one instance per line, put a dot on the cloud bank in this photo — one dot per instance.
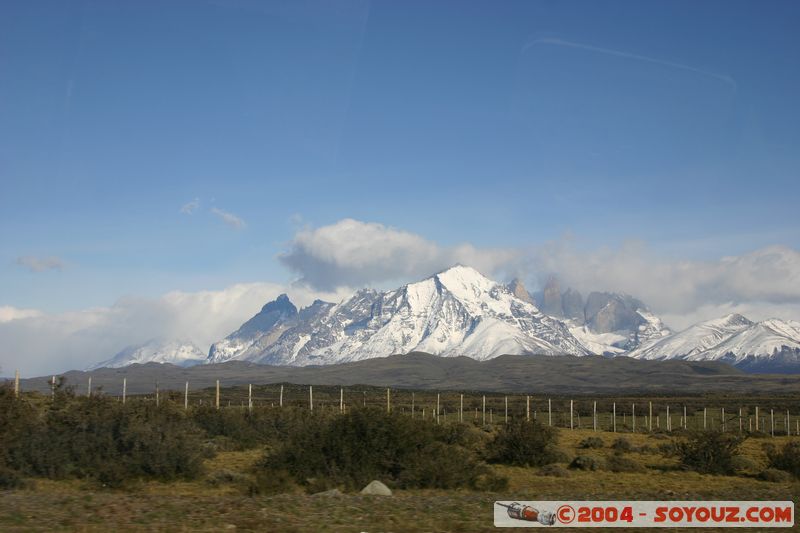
[351, 253]
[37, 343]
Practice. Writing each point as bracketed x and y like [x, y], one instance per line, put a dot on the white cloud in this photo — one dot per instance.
[761, 280]
[9, 313]
[229, 218]
[351, 253]
[37, 343]
[190, 207]
[40, 264]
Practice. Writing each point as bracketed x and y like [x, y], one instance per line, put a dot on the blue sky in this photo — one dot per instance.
[498, 124]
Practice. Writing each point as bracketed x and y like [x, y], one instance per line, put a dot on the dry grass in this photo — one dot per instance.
[200, 506]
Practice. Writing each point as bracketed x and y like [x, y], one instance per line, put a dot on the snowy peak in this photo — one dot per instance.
[176, 352]
[458, 311]
[773, 344]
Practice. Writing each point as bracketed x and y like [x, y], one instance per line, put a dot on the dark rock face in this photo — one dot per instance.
[279, 309]
[607, 312]
[572, 304]
[518, 289]
[551, 298]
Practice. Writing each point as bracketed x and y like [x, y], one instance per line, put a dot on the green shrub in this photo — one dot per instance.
[554, 471]
[591, 442]
[524, 443]
[744, 464]
[709, 452]
[621, 463]
[352, 449]
[774, 475]
[622, 445]
[586, 462]
[786, 459]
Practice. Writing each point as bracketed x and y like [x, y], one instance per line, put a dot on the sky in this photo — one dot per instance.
[157, 156]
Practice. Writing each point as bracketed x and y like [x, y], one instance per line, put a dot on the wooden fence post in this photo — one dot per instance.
[570, 415]
[740, 420]
[685, 419]
[461, 409]
[186, 397]
[506, 413]
[528, 408]
[53, 387]
[484, 409]
[723, 419]
[549, 412]
[280, 401]
[788, 424]
[669, 420]
[437, 407]
[217, 396]
[594, 416]
[124, 389]
[89, 389]
[310, 397]
[250, 397]
[16, 384]
[756, 418]
[614, 416]
[341, 400]
[772, 422]
[650, 418]
[633, 417]
[388, 401]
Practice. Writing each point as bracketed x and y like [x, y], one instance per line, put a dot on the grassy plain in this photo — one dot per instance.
[209, 504]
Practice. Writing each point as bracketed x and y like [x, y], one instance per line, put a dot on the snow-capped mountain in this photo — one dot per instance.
[176, 352]
[770, 345]
[455, 312]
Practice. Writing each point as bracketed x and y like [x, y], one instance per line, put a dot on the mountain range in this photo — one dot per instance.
[460, 312]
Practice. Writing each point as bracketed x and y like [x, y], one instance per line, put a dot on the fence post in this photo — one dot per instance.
[772, 422]
[594, 416]
[341, 400]
[570, 415]
[156, 393]
[740, 420]
[186, 397]
[704, 418]
[685, 419]
[280, 401]
[217, 396]
[437, 407]
[549, 412]
[506, 413]
[788, 425]
[16, 384]
[614, 416]
[89, 389]
[484, 409]
[310, 397]
[528, 408]
[388, 401]
[650, 418]
[124, 389]
[461, 409]
[633, 417]
[53, 387]
[250, 397]
[756, 418]
[669, 420]
[723, 419]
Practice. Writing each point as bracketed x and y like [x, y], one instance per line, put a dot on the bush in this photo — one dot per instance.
[586, 462]
[786, 459]
[352, 449]
[525, 443]
[554, 471]
[591, 442]
[744, 464]
[622, 445]
[97, 438]
[621, 463]
[709, 452]
[774, 475]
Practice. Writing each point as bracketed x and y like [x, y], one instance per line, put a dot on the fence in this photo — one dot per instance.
[603, 414]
